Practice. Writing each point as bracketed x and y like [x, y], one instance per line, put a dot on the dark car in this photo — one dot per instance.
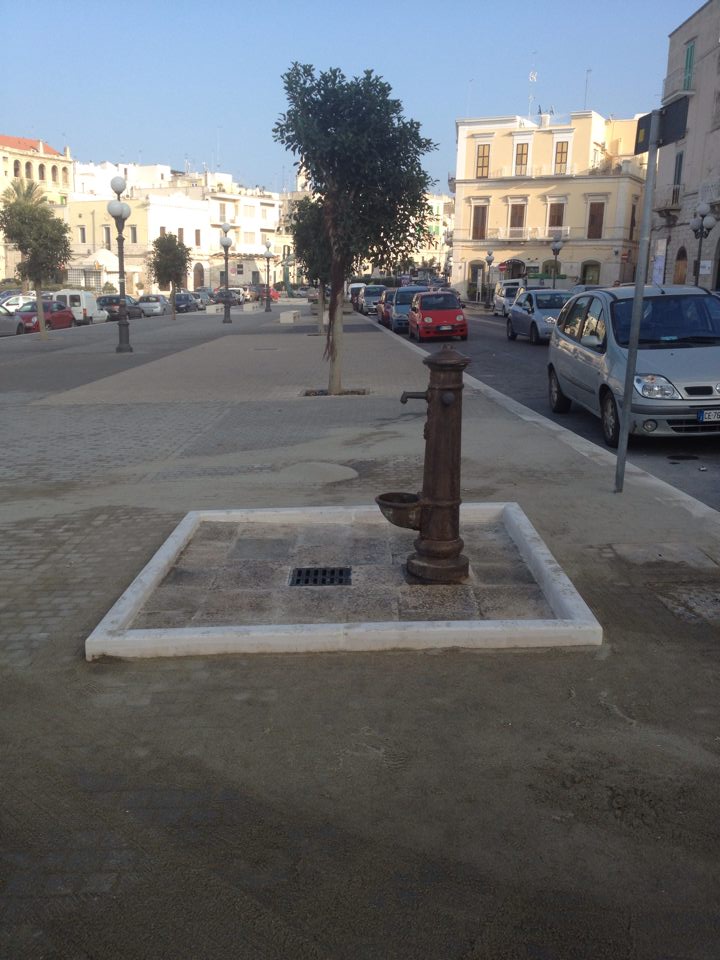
[111, 304]
[185, 303]
[227, 296]
[400, 309]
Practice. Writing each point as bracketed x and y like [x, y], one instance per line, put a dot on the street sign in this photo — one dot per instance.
[673, 125]
[502, 267]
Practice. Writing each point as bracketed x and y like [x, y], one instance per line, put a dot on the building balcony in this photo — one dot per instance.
[668, 198]
[710, 192]
[677, 84]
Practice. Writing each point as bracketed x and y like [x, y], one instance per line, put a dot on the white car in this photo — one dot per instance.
[505, 293]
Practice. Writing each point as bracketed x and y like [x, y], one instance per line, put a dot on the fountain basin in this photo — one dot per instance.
[401, 509]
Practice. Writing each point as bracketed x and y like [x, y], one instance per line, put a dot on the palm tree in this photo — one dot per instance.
[22, 191]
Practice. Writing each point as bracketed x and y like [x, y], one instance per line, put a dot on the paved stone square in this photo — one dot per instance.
[443, 806]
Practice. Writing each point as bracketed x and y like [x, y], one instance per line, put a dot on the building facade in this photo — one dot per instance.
[33, 161]
[689, 170]
[520, 185]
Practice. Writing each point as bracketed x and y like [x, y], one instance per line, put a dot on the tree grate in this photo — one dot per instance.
[321, 577]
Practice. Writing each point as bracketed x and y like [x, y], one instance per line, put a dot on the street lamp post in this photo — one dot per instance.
[226, 243]
[701, 225]
[489, 259]
[120, 211]
[556, 246]
[268, 256]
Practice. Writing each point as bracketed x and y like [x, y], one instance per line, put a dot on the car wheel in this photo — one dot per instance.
[534, 335]
[48, 324]
[511, 335]
[19, 329]
[610, 419]
[559, 403]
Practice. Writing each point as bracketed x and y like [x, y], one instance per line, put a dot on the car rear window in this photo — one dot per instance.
[551, 301]
[440, 301]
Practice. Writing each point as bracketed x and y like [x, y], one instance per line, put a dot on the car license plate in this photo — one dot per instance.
[445, 328]
[706, 416]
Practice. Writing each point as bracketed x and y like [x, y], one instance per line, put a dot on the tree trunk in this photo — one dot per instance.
[321, 308]
[172, 298]
[333, 347]
[40, 312]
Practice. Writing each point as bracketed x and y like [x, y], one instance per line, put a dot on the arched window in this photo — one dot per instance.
[41, 172]
[28, 171]
[16, 169]
[53, 174]
[680, 271]
[65, 176]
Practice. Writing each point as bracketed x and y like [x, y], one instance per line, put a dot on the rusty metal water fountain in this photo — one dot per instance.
[435, 511]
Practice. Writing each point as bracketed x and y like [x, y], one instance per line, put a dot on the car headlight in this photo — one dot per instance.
[655, 387]
[426, 319]
[459, 318]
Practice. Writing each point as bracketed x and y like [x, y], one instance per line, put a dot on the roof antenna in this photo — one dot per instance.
[587, 83]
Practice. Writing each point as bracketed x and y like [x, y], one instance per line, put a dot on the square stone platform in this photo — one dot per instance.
[221, 584]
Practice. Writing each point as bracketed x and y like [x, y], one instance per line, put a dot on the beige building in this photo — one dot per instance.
[519, 185]
[33, 161]
[689, 170]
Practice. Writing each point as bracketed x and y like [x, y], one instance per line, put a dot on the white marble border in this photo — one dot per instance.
[575, 624]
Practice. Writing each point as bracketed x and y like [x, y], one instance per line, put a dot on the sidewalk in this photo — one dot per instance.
[409, 805]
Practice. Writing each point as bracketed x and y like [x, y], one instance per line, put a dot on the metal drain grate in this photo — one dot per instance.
[321, 577]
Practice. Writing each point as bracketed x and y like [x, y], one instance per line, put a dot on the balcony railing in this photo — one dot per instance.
[710, 191]
[678, 82]
[669, 196]
[612, 167]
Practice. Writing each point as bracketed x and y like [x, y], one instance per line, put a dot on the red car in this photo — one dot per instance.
[436, 314]
[57, 316]
[384, 307]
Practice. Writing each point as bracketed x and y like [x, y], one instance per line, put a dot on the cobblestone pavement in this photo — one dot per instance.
[459, 806]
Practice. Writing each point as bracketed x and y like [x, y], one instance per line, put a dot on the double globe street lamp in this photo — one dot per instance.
[226, 243]
[120, 211]
[268, 257]
[556, 246]
[701, 225]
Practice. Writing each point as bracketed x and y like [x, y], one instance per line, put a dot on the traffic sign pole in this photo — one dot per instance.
[637, 310]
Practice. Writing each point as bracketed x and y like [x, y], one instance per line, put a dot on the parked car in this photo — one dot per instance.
[83, 304]
[505, 293]
[227, 296]
[203, 298]
[18, 300]
[185, 303]
[677, 388]
[401, 307]
[534, 314]
[57, 316]
[368, 298]
[6, 294]
[354, 291]
[384, 306]
[110, 303]
[154, 305]
[10, 323]
[436, 314]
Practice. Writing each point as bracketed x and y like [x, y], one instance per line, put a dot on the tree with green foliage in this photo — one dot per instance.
[363, 163]
[169, 263]
[25, 191]
[312, 247]
[43, 241]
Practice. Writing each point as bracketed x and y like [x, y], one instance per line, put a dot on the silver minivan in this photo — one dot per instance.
[677, 374]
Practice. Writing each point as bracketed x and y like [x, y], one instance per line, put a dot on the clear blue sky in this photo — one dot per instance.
[176, 82]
